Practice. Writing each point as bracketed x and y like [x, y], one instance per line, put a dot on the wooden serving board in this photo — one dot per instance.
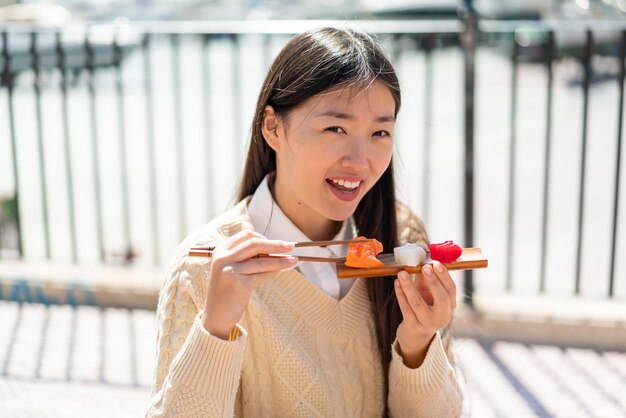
[471, 258]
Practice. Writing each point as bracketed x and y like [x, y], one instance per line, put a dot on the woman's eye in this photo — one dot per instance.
[335, 129]
[382, 133]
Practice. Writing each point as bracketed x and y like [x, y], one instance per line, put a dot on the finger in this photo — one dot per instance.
[446, 281]
[423, 289]
[265, 265]
[418, 305]
[442, 302]
[255, 246]
[238, 238]
[407, 313]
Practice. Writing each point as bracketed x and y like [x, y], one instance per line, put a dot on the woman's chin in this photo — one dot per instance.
[340, 214]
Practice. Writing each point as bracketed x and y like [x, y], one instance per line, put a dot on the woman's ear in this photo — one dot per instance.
[271, 123]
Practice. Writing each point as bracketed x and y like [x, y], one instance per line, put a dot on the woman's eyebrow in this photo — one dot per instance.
[343, 115]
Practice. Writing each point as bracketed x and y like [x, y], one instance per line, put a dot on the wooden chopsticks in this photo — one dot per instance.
[207, 251]
[195, 252]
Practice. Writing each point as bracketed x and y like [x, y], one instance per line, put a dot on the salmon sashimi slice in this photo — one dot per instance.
[363, 254]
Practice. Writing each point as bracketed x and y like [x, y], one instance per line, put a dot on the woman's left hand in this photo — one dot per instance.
[427, 305]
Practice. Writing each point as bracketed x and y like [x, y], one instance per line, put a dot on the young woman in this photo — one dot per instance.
[257, 337]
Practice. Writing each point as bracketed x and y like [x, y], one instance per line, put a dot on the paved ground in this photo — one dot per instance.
[60, 361]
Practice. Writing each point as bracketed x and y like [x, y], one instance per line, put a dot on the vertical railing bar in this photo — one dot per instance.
[154, 208]
[469, 42]
[583, 157]
[62, 67]
[178, 135]
[550, 56]
[40, 146]
[89, 54]
[239, 141]
[1, 83]
[396, 47]
[207, 121]
[512, 168]
[266, 51]
[121, 119]
[427, 44]
[618, 162]
[8, 77]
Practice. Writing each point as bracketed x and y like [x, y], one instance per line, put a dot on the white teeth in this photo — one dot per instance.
[347, 184]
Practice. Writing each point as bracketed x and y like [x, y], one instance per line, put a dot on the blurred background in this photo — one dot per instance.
[124, 125]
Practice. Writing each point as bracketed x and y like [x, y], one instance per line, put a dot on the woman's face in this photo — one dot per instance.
[330, 151]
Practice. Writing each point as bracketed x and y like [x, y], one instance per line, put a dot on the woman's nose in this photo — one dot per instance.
[356, 155]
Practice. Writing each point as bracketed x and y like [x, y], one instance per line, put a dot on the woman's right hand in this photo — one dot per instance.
[235, 273]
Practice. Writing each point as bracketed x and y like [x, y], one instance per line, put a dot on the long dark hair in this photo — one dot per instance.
[309, 64]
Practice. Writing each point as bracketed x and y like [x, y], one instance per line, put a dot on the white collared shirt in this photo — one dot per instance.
[268, 219]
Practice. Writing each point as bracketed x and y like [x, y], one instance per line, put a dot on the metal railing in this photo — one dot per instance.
[548, 29]
[101, 68]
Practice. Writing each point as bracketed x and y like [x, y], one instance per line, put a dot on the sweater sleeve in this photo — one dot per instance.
[431, 390]
[197, 374]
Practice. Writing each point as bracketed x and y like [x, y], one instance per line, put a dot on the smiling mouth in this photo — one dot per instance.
[344, 185]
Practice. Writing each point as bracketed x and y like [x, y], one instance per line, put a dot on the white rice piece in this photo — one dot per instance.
[409, 254]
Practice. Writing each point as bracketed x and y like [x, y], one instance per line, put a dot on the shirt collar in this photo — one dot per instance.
[268, 219]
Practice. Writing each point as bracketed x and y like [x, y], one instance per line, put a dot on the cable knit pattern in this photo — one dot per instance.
[301, 352]
[185, 402]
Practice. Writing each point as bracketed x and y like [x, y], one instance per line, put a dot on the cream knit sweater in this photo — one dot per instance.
[301, 353]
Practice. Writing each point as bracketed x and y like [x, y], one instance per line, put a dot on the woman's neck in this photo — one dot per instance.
[322, 233]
